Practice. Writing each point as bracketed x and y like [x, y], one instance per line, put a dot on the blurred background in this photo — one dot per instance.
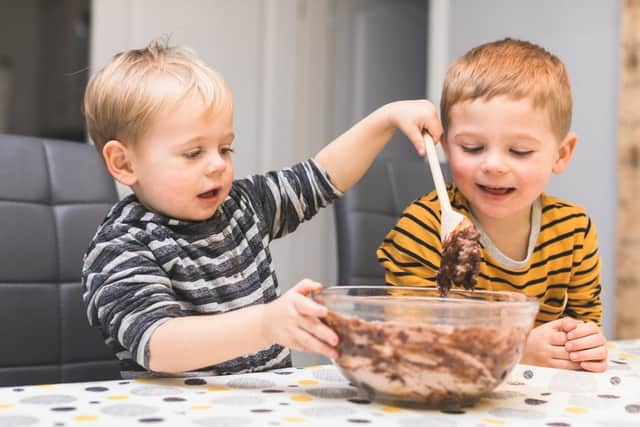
[303, 71]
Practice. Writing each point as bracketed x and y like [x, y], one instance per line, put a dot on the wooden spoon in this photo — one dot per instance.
[460, 262]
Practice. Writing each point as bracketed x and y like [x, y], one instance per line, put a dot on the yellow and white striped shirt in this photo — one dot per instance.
[561, 269]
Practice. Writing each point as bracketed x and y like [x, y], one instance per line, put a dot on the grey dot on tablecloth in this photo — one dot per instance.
[573, 382]
[128, 410]
[238, 400]
[222, 422]
[49, 399]
[534, 402]
[516, 413]
[329, 374]
[156, 391]
[327, 411]
[421, 422]
[632, 409]
[333, 392]
[151, 420]
[194, 381]
[17, 420]
[96, 389]
[64, 408]
[249, 383]
[615, 380]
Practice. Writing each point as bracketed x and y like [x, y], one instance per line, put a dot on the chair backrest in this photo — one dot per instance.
[53, 195]
[370, 209]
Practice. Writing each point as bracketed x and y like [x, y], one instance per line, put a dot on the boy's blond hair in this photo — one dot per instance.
[122, 99]
[515, 69]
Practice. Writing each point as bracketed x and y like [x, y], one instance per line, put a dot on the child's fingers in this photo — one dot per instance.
[590, 354]
[569, 323]
[319, 330]
[599, 366]
[564, 364]
[558, 338]
[308, 343]
[583, 330]
[308, 307]
[586, 342]
[559, 352]
[306, 286]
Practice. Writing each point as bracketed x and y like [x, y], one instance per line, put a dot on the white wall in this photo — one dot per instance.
[584, 34]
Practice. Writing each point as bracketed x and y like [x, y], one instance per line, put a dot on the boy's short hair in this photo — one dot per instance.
[122, 99]
[513, 68]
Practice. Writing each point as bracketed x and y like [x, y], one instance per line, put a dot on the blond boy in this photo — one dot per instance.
[179, 275]
[506, 113]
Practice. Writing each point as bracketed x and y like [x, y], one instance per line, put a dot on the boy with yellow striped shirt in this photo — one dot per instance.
[506, 113]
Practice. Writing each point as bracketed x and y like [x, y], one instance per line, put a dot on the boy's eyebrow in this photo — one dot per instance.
[230, 136]
[516, 135]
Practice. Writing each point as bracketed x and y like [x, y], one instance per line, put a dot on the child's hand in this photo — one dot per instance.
[293, 321]
[545, 345]
[586, 346]
[413, 118]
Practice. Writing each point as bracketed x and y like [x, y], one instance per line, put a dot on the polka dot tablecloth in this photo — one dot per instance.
[321, 396]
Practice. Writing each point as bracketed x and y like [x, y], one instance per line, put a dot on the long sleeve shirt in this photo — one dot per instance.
[143, 269]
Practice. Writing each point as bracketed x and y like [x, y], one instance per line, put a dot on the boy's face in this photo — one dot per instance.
[501, 153]
[182, 165]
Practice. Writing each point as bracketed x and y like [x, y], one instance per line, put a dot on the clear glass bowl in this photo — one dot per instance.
[409, 346]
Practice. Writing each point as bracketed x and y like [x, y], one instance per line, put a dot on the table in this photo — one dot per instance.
[319, 395]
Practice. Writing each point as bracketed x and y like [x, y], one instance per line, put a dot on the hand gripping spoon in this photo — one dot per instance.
[460, 262]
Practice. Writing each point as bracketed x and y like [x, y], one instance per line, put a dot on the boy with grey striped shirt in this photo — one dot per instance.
[179, 276]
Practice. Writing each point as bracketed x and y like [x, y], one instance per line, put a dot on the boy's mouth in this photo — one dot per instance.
[498, 191]
[209, 194]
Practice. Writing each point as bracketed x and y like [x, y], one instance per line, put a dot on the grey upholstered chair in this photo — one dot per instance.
[370, 209]
[53, 195]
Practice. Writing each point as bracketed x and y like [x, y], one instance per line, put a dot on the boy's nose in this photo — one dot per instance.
[495, 163]
[215, 164]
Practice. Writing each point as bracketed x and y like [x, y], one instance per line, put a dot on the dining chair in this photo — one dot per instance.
[53, 195]
[370, 209]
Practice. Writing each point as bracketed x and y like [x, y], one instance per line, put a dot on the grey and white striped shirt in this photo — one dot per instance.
[143, 268]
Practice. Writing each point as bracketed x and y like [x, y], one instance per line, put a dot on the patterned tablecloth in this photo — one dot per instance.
[321, 396]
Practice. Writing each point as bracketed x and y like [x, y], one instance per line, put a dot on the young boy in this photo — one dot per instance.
[179, 275]
[506, 115]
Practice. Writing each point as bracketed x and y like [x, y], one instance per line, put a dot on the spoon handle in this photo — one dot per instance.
[436, 172]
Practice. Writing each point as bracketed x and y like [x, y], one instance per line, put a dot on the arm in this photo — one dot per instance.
[193, 342]
[130, 296]
[348, 157]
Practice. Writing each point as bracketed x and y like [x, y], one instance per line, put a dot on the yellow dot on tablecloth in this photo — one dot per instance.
[576, 410]
[6, 405]
[200, 407]
[86, 418]
[143, 380]
[316, 367]
[390, 409]
[494, 421]
[624, 356]
[301, 398]
[117, 397]
[307, 382]
[610, 345]
[44, 385]
[293, 419]
[218, 388]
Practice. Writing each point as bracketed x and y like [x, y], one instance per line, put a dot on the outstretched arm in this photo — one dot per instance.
[347, 158]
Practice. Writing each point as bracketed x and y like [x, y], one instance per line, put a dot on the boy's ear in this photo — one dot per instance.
[565, 151]
[118, 158]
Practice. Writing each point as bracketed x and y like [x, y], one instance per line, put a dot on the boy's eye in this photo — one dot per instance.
[226, 150]
[192, 154]
[472, 148]
[521, 153]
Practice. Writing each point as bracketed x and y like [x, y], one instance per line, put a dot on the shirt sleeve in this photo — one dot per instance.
[583, 300]
[284, 199]
[410, 253]
[126, 291]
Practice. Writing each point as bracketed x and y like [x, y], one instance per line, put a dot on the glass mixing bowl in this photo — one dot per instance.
[409, 346]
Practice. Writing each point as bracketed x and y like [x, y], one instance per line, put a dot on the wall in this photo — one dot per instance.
[585, 36]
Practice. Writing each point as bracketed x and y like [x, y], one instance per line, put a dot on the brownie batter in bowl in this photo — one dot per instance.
[411, 347]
